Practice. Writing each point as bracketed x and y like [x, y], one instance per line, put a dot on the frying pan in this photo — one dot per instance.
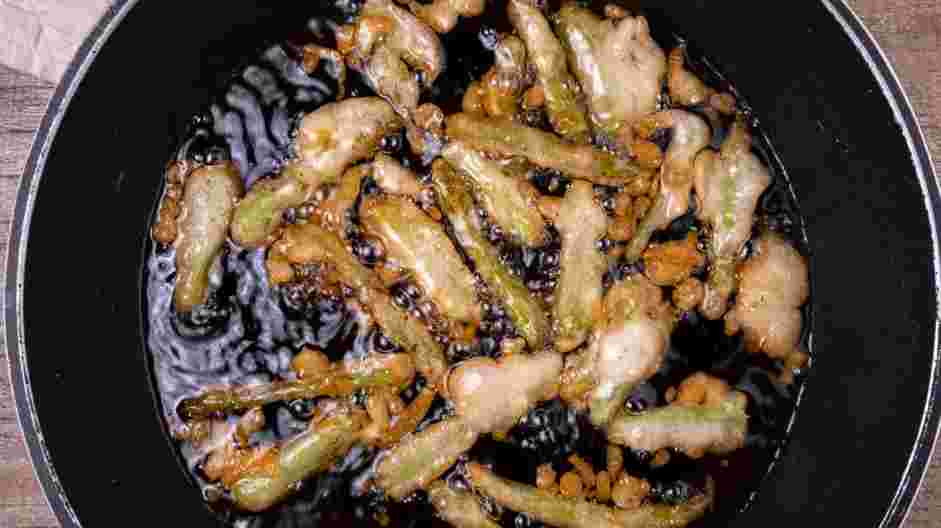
[821, 87]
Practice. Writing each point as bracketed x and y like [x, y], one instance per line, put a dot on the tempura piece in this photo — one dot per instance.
[165, 230]
[473, 100]
[311, 452]
[260, 214]
[426, 136]
[774, 284]
[689, 294]
[728, 184]
[393, 178]
[231, 458]
[491, 396]
[209, 197]
[460, 509]
[561, 512]
[379, 370]
[304, 244]
[619, 65]
[442, 15]
[526, 313]
[627, 348]
[630, 492]
[509, 199]
[506, 138]
[690, 136]
[422, 457]
[420, 247]
[581, 223]
[406, 421]
[381, 42]
[334, 212]
[502, 86]
[388, 76]
[707, 417]
[566, 114]
[688, 90]
[329, 140]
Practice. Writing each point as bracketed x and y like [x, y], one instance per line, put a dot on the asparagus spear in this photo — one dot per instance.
[209, 198]
[718, 429]
[306, 455]
[566, 113]
[329, 140]
[420, 245]
[393, 370]
[510, 201]
[563, 512]
[525, 312]
[423, 457]
[310, 243]
[259, 214]
[578, 299]
[507, 138]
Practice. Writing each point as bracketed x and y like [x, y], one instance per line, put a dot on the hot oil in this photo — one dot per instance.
[249, 331]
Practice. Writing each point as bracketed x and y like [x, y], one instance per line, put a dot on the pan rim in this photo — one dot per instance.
[913, 476]
[922, 449]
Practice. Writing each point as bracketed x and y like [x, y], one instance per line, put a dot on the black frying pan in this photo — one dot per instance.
[823, 90]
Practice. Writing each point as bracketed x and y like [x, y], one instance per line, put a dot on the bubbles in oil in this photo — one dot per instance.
[249, 331]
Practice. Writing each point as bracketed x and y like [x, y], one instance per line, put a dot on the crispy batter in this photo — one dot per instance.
[672, 262]
[545, 477]
[310, 362]
[571, 485]
[584, 470]
[630, 492]
[660, 458]
[689, 294]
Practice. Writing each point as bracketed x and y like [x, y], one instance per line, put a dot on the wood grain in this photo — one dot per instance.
[23, 101]
[909, 31]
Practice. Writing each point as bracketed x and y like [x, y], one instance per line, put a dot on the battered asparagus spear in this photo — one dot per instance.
[729, 184]
[620, 68]
[416, 244]
[442, 15]
[423, 457]
[488, 397]
[690, 136]
[581, 223]
[510, 200]
[310, 453]
[566, 113]
[311, 243]
[507, 138]
[708, 417]
[492, 396]
[628, 345]
[260, 213]
[329, 140]
[209, 198]
[562, 512]
[525, 312]
[393, 370]
[503, 84]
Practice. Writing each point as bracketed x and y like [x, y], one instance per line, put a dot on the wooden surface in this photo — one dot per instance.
[909, 31]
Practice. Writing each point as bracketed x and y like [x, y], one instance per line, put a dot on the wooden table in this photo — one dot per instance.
[909, 31]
